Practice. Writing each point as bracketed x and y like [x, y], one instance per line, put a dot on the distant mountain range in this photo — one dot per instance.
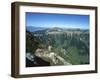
[37, 29]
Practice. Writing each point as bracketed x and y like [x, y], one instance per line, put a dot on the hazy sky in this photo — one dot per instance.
[57, 20]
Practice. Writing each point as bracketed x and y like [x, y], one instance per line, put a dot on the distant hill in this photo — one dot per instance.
[56, 30]
[33, 28]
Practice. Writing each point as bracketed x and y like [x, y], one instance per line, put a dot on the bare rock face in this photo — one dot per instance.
[51, 57]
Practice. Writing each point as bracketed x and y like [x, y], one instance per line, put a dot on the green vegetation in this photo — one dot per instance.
[32, 42]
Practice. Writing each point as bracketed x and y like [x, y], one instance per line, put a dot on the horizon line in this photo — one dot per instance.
[58, 27]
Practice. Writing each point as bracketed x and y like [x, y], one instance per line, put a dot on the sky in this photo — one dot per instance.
[49, 20]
